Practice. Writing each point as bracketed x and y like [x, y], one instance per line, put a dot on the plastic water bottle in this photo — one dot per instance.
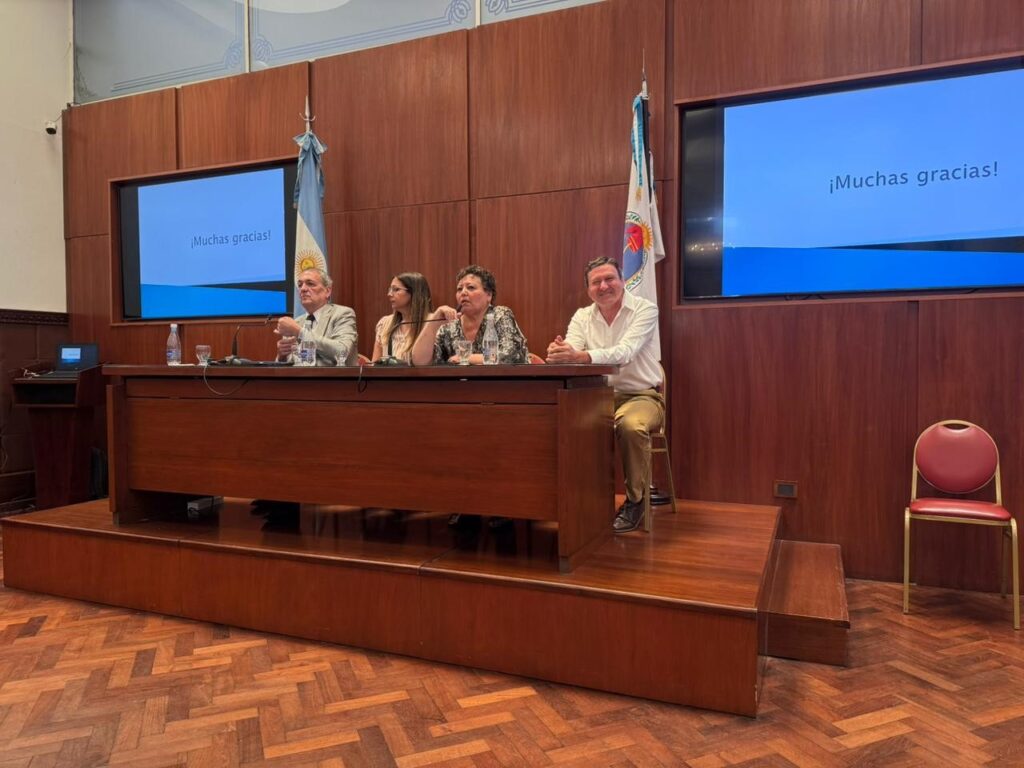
[307, 349]
[490, 345]
[173, 346]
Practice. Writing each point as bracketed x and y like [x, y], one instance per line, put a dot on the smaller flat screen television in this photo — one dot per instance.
[212, 244]
[898, 185]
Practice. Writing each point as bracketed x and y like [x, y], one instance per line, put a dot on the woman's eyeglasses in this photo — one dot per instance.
[393, 290]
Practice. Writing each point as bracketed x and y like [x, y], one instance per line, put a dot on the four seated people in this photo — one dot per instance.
[617, 328]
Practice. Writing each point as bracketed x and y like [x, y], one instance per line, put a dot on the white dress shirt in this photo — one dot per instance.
[627, 342]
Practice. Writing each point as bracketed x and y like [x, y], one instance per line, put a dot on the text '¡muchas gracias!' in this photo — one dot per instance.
[238, 238]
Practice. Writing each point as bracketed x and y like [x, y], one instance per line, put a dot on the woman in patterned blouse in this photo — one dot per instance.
[474, 292]
[409, 295]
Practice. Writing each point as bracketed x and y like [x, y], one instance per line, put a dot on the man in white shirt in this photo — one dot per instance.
[618, 329]
[332, 326]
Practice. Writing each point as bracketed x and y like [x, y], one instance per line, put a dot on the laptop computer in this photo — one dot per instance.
[72, 358]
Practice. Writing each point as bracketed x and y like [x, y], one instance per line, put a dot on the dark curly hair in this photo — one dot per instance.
[484, 275]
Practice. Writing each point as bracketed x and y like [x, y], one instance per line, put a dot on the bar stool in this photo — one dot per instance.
[661, 439]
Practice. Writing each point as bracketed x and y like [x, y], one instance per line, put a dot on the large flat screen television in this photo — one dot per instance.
[895, 186]
[212, 244]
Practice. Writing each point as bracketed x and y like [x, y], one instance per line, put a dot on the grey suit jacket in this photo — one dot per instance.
[335, 335]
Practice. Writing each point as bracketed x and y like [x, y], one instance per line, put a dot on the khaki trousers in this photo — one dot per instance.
[637, 414]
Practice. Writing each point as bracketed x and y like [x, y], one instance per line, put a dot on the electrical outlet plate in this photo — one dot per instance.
[784, 489]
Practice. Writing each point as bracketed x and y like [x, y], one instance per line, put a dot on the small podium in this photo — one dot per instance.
[60, 413]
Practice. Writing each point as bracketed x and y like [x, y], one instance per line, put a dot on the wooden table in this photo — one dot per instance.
[528, 442]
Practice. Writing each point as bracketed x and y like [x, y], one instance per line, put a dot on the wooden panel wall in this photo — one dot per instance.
[107, 140]
[819, 394]
[962, 29]
[242, 119]
[394, 120]
[507, 145]
[551, 97]
[730, 46]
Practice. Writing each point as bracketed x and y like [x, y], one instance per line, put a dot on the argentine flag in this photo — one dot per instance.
[642, 246]
[310, 243]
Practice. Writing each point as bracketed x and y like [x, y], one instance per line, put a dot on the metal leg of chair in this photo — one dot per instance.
[906, 560]
[1016, 575]
[671, 481]
[647, 494]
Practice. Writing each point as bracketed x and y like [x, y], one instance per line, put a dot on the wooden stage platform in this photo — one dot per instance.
[676, 615]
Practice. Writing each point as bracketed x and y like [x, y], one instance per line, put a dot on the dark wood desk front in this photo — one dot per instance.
[527, 442]
[60, 412]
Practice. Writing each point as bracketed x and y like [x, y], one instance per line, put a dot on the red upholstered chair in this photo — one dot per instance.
[958, 458]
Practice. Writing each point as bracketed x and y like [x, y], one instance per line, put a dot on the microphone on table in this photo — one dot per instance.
[233, 358]
[389, 358]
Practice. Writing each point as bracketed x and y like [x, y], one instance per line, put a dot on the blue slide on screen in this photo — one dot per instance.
[900, 187]
[212, 242]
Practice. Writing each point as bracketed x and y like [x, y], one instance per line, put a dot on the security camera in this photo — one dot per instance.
[51, 127]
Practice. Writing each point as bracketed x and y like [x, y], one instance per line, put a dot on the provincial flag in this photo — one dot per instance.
[642, 246]
[310, 243]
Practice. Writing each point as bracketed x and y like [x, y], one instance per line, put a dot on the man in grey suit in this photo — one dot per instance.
[332, 326]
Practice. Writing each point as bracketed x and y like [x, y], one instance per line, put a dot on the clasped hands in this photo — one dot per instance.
[561, 351]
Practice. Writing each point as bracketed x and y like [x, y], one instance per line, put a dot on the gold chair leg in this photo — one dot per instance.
[1004, 538]
[1016, 575]
[906, 560]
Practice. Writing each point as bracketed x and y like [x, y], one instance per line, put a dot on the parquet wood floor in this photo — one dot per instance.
[87, 685]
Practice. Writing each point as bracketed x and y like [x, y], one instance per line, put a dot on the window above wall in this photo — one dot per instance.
[125, 46]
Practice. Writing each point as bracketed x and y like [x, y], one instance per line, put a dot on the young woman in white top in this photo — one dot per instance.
[409, 294]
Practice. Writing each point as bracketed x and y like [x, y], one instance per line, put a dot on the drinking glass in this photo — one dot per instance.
[463, 349]
[203, 354]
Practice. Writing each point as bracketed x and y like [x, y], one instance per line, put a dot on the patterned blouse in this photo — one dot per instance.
[511, 342]
[401, 339]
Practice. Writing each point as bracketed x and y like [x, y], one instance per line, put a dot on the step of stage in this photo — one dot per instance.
[807, 616]
[672, 615]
